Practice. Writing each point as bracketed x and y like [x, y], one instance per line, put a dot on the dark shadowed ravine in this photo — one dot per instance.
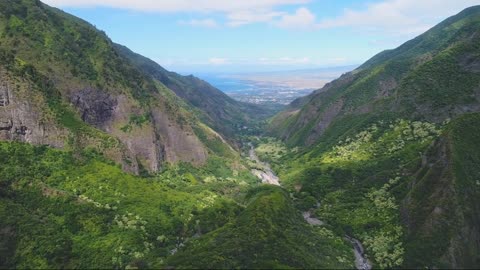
[268, 176]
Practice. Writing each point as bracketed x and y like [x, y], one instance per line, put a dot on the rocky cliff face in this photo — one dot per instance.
[155, 139]
[95, 106]
[23, 116]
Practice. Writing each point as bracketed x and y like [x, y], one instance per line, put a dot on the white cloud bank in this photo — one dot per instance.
[178, 5]
[397, 17]
[302, 18]
[392, 17]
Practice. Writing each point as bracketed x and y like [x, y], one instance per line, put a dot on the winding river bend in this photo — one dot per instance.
[268, 176]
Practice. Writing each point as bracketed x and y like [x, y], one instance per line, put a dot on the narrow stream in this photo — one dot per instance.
[267, 176]
[361, 262]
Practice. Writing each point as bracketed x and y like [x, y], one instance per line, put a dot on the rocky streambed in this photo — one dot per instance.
[268, 176]
[266, 173]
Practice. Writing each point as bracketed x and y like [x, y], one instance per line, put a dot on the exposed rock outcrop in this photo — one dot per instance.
[23, 117]
[95, 106]
[178, 144]
[150, 144]
[324, 121]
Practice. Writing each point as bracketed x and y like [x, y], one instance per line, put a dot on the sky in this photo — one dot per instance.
[216, 36]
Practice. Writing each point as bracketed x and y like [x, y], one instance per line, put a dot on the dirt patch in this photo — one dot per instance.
[470, 62]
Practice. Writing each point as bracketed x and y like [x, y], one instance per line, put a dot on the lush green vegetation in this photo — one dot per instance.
[358, 181]
[71, 213]
[270, 149]
[79, 213]
[379, 154]
[389, 168]
[269, 233]
[363, 175]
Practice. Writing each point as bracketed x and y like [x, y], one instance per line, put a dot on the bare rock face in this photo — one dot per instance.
[141, 140]
[26, 117]
[22, 120]
[95, 106]
[325, 120]
[177, 144]
[149, 145]
[470, 62]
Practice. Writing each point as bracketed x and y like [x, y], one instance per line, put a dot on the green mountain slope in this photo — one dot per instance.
[442, 205]
[79, 120]
[218, 110]
[269, 233]
[387, 154]
[433, 77]
[88, 95]
[392, 149]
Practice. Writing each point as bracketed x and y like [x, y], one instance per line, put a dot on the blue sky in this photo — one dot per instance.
[198, 36]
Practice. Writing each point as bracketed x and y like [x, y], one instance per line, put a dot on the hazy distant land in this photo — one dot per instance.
[279, 87]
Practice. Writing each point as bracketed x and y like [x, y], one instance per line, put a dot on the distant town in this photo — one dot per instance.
[274, 88]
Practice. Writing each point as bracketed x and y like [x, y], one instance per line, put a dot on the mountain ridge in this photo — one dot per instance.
[389, 149]
[106, 90]
[378, 84]
[217, 109]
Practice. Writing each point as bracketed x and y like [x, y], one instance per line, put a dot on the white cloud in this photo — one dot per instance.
[218, 61]
[178, 5]
[398, 17]
[237, 12]
[242, 17]
[209, 23]
[302, 18]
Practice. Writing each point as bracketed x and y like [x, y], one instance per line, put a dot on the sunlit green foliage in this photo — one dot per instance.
[358, 182]
[271, 149]
[380, 139]
[269, 233]
[79, 214]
